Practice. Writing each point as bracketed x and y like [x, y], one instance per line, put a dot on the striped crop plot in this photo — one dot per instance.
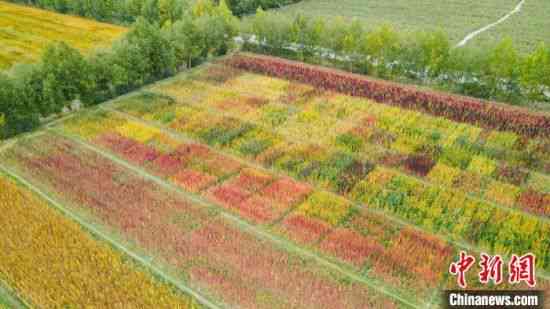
[26, 31]
[40, 247]
[254, 182]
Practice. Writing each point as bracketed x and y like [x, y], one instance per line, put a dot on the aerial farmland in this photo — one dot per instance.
[180, 169]
[25, 32]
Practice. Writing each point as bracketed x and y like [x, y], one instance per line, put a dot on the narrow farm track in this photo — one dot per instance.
[146, 262]
[473, 34]
[258, 232]
[184, 138]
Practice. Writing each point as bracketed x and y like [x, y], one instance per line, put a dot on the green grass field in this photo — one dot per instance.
[457, 17]
[527, 28]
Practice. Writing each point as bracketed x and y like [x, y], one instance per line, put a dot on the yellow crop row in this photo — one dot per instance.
[52, 263]
[26, 31]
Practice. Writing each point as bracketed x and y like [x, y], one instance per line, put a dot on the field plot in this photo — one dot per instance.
[41, 247]
[211, 252]
[457, 17]
[261, 192]
[26, 31]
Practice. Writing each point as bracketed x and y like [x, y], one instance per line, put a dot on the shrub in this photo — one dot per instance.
[471, 182]
[535, 202]
[327, 207]
[455, 156]
[286, 191]
[304, 229]
[506, 140]
[539, 182]
[482, 165]
[419, 164]
[502, 193]
[350, 142]
[443, 174]
[511, 174]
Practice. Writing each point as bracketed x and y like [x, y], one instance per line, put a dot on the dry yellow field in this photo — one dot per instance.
[26, 31]
[41, 248]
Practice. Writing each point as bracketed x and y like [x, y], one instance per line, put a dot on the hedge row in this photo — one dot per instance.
[459, 108]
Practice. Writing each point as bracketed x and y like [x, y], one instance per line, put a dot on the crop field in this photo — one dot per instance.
[34, 261]
[456, 18]
[26, 31]
[255, 190]
[527, 28]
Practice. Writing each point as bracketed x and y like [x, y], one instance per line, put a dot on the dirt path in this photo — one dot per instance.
[473, 34]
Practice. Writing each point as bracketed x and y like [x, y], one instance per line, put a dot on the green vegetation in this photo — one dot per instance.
[528, 28]
[161, 11]
[500, 72]
[456, 18]
[146, 54]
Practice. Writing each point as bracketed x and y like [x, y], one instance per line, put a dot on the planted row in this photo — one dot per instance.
[344, 173]
[312, 218]
[458, 108]
[42, 247]
[344, 153]
[213, 254]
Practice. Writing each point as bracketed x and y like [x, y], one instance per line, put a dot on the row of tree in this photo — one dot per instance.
[499, 72]
[128, 11]
[146, 54]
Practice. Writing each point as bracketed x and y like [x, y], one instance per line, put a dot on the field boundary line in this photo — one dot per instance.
[285, 244]
[477, 32]
[361, 206]
[71, 215]
[10, 297]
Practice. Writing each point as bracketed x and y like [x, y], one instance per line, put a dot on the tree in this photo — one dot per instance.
[217, 27]
[203, 7]
[16, 115]
[150, 11]
[144, 55]
[352, 41]
[535, 73]
[502, 71]
[381, 46]
[185, 39]
[434, 51]
[66, 77]
[171, 10]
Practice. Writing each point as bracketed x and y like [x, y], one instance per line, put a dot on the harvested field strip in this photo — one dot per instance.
[97, 273]
[173, 249]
